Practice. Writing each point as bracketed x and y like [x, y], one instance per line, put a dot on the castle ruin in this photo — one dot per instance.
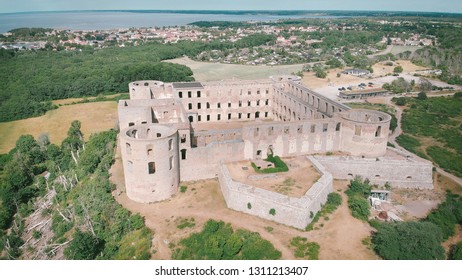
[172, 132]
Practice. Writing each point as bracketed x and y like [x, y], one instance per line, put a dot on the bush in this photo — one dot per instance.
[400, 101]
[456, 252]
[218, 241]
[249, 205]
[393, 241]
[398, 69]
[421, 95]
[334, 200]
[279, 165]
[304, 249]
[272, 211]
[359, 207]
[447, 215]
[360, 187]
[358, 192]
[84, 246]
[183, 189]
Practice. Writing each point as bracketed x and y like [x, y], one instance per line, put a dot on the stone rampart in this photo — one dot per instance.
[291, 211]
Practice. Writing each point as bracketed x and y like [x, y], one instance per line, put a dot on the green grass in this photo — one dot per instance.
[135, 245]
[186, 223]
[279, 166]
[438, 120]
[304, 249]
[219, 241]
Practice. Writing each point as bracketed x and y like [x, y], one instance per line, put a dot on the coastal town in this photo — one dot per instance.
[292, 43]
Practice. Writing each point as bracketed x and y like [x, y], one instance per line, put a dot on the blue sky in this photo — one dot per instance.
[7, 6]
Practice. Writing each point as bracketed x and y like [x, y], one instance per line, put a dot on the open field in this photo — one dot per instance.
[400, 49]
[295, 183]
[206, 71]
[68, 101]
[95, 117]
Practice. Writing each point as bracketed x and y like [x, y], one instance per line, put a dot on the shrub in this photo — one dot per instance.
[304, 249]
[183, 189]
[360, 187]
[84, 246]
[249, 205]
[400, 101]
[393, 241]
[447, 215]
[456, 252]
[218, 241]
[421, 95]
[359, 207]
[272, 211]
[398, 69]
[185, 222]
[279, 165]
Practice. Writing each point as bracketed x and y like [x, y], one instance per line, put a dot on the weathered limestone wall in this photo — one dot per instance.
[364, 132]
[291, 138]
[203, 162]
[150, 161]
[149, 90]
[296, 212]
[149, 111]
[295, 102]
[406, 172]
[227, 101]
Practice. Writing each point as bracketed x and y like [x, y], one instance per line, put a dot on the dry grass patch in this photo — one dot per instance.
[95, 117]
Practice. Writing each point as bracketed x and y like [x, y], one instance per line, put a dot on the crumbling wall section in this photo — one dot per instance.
[291, 211]
[406, 172]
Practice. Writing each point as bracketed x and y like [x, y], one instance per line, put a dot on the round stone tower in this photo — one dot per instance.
[364, 132]
[146, 90]
[150, 161]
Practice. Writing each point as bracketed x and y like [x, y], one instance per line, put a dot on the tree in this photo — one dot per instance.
[334, 63]
[400, 101]
[421, 95]
[359, 207]
[425, 85]
[399, 85]
[398, 69]
[409, 241]
[319, 72]
[456, 252]
[84, 246]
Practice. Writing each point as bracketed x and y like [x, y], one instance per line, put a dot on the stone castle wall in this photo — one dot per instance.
[304, 123]
[150, 161]
[405, 171]
[291, 211]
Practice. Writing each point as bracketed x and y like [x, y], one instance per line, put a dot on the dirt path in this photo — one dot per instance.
[341, 237]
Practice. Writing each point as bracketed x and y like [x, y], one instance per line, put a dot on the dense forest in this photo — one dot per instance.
[29, 80]
[56, 202]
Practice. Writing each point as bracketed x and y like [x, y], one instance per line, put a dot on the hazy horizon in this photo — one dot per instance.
[23, 6]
